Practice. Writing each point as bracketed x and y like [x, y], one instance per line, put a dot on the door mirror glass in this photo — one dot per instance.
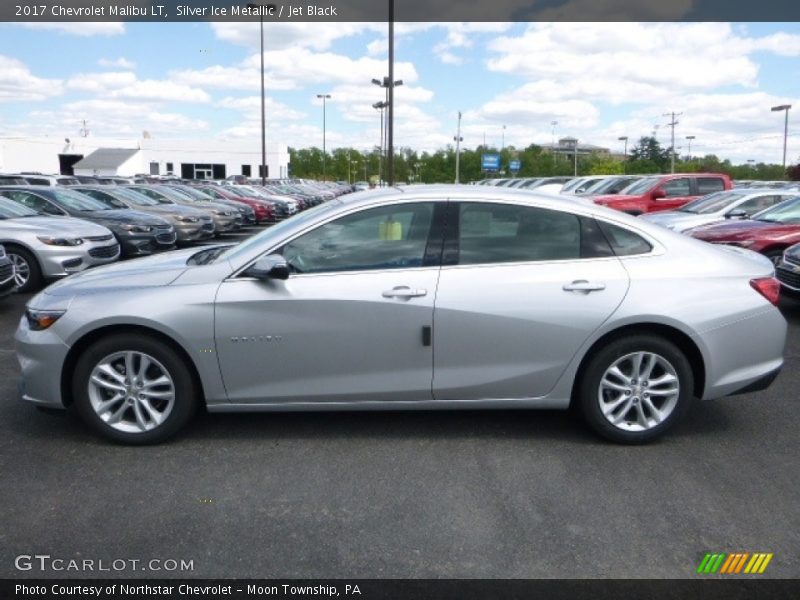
[659, 193]
[273, 266]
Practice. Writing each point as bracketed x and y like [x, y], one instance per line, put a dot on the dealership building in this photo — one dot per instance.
[190, 159]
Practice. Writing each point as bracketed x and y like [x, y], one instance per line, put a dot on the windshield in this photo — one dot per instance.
[277, 231]
[78, 202]
[11, 210]
[571, 185]
[135, 197]
[103, 197]
[151, 193]
[712, 203]
[641, 186]
[786, 212]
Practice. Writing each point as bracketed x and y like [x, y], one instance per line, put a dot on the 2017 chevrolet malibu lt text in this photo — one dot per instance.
[432, 297]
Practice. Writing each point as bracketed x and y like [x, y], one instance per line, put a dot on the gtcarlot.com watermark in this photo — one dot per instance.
[45, 563]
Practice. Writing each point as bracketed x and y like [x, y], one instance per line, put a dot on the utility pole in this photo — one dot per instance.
[324, 97]
[689, 151]
[390, 99]
[624, 138]
[672, 124]
[553, 147]
[458, 139]
[785, 107]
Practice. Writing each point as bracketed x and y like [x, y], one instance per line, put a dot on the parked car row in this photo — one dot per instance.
[52, 230]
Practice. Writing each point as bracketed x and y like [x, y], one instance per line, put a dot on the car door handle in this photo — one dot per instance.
[582, 285]
[403, 291]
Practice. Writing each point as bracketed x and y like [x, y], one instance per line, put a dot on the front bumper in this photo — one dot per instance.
[788, 273]
[147, 243]
[60, 261]
[41, 355]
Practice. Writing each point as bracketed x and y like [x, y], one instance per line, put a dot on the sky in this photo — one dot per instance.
[510, 81]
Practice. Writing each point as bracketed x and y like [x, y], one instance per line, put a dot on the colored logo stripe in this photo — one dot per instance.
[730, 564]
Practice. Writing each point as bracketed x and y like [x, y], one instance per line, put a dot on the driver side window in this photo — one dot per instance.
[388, 237]
[677, 188]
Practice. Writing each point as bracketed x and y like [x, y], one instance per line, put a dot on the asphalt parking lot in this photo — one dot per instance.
[377, 495]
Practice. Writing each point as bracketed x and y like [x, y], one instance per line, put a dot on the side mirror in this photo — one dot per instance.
[658, 193]
[736, 213]
[273, 266]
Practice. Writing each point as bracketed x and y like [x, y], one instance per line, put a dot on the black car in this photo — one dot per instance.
[7, 282]
[788, 271]
[138, 233]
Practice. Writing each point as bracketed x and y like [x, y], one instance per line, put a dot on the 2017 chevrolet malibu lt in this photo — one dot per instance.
[433, 297]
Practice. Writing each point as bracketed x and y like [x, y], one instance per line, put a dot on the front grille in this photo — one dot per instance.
[99, 238]
[208, 227]
[6, 271]
[104, 251]
[164, 226]
[787, 277]
[166, 238]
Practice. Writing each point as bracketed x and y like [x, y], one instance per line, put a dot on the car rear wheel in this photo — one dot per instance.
[27, 274]
[133, 389]
[636, 388]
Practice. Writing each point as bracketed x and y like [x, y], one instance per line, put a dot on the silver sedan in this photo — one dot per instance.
[44, 248]
[719, 206]
[433, 297]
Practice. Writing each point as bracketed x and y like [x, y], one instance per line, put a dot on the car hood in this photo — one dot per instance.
[680, 220]
[124, 216]
[53, 226]
[742, 230]
[173, 209]
[152, 271]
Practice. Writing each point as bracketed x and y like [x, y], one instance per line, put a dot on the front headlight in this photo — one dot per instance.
[188, 219]
[39, 320]
[136, 228]
[57, 241]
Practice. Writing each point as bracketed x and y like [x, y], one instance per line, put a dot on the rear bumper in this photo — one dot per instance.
[759, 384]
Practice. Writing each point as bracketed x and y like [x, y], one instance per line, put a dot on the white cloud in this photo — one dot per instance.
[252, 105]
[317, 36]
[18, 84]
[119, 63]
[124, 84]
[105, 28]
[109, 118]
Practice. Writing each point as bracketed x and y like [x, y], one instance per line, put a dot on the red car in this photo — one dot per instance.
[769, 232]
[664, 192]
[263, 210]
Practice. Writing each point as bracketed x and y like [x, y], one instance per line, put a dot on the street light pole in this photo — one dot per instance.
[263, 101]
[786, 108]
[380, 106]
[324, 98]
[624, 138]
[503, 143]
[553, 146]
[457, 140]
[576, 158]
[689, 150]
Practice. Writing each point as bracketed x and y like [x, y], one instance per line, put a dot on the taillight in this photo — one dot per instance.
[769, 287]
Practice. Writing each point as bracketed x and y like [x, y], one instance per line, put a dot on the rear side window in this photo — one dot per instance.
[623, 241]
[502, 233]
[708, 185]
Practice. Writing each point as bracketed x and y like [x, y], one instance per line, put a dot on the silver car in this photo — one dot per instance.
[43, 248]
[717, 207]
[422, 298]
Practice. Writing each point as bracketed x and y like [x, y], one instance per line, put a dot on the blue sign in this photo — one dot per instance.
[490, 162]
[514, 165]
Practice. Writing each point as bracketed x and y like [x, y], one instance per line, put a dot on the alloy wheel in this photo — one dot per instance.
[638, 391]
[131, 391]
[22, 270]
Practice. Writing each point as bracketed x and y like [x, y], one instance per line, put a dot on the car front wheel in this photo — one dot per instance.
[635, 388]
[133, 389]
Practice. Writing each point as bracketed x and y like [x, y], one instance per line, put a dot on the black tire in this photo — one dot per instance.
[589, 393]
[22, 256]
[185, 392]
